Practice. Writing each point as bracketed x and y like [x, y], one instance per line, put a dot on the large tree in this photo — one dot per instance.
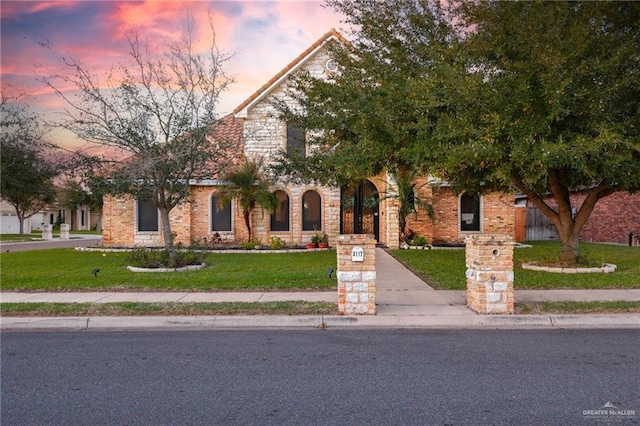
[535, 96]
[160, 109]
[27, 169]
[371, 114]
[367, 117]
[549, 105]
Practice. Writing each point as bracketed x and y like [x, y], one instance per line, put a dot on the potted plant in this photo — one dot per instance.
[315, 239]
[323, 241]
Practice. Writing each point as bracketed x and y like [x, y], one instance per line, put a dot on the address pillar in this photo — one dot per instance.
[356, 274]
[489, 260]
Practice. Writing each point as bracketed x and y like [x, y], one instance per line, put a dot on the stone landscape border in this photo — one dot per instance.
[212, 251]
[184, 268]
[606, 268]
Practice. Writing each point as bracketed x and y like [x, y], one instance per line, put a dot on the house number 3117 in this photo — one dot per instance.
[357, 254]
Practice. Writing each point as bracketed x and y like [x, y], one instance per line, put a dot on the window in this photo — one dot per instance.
[311, 209]
[220, 217]
[147, 216]
[469, 213]
[296, 140]
[280, 216]
[81, 217]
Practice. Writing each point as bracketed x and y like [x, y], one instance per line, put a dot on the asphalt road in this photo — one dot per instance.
[319, 377]
[75, 241]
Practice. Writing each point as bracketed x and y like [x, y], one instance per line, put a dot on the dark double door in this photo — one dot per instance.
[360, 210]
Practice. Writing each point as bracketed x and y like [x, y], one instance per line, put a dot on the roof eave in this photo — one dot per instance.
[242, 110]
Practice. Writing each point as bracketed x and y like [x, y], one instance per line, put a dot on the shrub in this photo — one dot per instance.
[418, 240]
[251, 244]
[159, 258]
[408, 236]
[276, 243]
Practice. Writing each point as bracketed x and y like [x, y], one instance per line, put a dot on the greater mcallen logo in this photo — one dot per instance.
[609, 413]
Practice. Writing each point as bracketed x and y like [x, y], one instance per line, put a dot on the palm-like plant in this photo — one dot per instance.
[406, 194]
[249, 186]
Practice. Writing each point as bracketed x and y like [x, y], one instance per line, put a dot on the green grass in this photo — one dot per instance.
[445, 269]
[70, 270]
[164, 309]
[16, 238]
[578, 307]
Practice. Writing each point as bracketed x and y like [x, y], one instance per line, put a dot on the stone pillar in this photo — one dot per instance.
[47, 232]
[64, 231]
[489, 260]
[356, 274]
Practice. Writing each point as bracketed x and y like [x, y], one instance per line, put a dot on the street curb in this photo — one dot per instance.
[596, 321]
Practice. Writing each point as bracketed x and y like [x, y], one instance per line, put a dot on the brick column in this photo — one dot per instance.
[489, 260]
[47, 232]
[356, 274]
[64, 231]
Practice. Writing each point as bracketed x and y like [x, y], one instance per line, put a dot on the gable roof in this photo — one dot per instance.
[242, 109]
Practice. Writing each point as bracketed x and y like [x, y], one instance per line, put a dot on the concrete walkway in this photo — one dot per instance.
[404, 301]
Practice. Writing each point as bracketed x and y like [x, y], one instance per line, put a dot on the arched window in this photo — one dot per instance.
[220, 217]
[280, 216]
[469, 213]
[311, 211]
[147, 215]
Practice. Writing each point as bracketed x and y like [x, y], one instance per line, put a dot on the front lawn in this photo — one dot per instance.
[165, 309]
[620, 307]
[70, 270]
[445, 269]
[17, 238]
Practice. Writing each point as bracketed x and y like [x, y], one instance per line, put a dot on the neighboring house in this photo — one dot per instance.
[81, 218]
[612, 220]
[303, 209]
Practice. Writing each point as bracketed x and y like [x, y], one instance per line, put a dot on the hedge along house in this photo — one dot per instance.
[303, 210]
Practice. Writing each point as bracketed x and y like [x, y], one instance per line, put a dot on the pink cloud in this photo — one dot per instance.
[265, 37]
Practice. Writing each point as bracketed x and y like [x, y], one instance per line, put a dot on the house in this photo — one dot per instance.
[80, 218]
[303, 209]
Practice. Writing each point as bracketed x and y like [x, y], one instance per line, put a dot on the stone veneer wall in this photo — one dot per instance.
[118, 221]
[265, 136]
[489, 260]
[330, 214]
[201, 217]
[356, 279]
[497, 211]
[119, 224]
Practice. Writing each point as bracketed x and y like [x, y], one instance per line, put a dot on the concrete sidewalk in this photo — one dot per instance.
[403, 301]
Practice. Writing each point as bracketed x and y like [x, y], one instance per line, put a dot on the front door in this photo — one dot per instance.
[359, 210]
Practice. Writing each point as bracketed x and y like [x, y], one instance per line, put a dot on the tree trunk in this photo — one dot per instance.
[568, 244]
[403, 225]
[567, 224]
[247, 222]
[21, 220]
[168, 235]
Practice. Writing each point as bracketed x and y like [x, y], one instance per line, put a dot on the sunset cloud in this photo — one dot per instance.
[264, 37]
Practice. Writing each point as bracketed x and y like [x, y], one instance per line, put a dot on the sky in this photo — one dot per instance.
[263, 36]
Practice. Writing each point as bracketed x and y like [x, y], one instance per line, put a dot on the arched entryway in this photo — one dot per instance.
[359, 210]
